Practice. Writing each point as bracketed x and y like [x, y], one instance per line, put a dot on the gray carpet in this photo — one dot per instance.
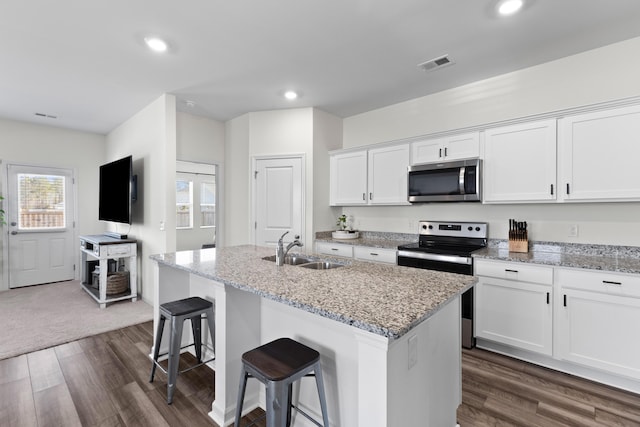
[43, 316]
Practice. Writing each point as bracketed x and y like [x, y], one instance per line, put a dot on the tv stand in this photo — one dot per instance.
[115, 235]
[97, 251]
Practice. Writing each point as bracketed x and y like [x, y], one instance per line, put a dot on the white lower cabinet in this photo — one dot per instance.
[334, 249]
[514, 305]
[365, 253]
[374, 254]
[597, 320]
[574, 320]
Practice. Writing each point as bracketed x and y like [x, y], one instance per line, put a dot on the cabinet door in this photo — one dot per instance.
[348, 179]
[453, 147]
[426, 151]
[520, 163]
[463, 146]
[374, 254]
[517, 314]
[599, 330]
[336, 249]
[388, 175]
[599, 154]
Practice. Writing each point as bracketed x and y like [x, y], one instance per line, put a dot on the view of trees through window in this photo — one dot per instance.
[205, 209]
[41, 201]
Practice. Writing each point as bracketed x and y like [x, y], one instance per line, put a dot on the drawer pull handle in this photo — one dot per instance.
[565, 300]
[510, 271]
[335, 249]
[608, 282]
[547, 298]
[373, 253]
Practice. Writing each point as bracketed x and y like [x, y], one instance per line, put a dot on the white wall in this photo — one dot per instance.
[327, 136]
[84, 152]
[150, 137]
[306, 131]
[596, 76]
[237, 185]
[200, 140]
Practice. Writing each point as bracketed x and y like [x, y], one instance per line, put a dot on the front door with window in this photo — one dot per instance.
[40, 220]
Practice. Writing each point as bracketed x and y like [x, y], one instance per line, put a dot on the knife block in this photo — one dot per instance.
[520, 244]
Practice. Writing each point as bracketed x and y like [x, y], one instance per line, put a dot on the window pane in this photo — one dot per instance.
[41, 201]
[184, 202]
[208, 204]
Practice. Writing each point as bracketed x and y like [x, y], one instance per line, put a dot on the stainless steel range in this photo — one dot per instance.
[447, 246]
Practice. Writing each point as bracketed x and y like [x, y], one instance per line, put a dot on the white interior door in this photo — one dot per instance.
[40, 217]
[279, 200]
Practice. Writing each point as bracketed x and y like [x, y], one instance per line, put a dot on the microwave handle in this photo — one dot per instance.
[461, 180]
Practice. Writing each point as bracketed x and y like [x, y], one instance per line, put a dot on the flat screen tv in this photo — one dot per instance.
[116, 191]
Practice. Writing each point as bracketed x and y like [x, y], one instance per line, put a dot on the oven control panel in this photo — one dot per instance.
[459, 229]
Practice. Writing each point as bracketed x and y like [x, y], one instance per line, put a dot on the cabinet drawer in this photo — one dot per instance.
[334, 249]
[375, 254]
[514, 271]
[599, 281]
[118, 250]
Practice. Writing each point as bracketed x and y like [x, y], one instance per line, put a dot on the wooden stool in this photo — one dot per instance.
[278, 365]
[177, 312]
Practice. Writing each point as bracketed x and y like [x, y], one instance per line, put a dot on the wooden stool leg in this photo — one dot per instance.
[156, 348]
[174, 356]
[196, 328]
[241, 389]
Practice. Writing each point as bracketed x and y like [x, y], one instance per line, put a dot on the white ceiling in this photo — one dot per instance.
[85, 62]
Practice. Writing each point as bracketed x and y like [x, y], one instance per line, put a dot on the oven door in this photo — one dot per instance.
[445, 182]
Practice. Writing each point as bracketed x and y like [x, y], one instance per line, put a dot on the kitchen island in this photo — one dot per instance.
[389, 336]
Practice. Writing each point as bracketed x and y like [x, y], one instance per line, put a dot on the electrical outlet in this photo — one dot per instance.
[413, 351]
[573, 230]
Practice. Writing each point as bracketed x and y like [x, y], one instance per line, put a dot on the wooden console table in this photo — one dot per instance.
[97, 250]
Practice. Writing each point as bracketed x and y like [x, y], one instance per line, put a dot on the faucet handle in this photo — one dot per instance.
[297, 236]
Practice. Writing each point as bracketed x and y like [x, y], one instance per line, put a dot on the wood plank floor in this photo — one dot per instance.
[104, 381]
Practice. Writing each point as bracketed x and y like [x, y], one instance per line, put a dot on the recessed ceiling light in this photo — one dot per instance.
[156, 44]
[509, 7]
[290, 95]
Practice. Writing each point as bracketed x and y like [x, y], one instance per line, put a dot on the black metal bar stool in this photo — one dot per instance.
[177, 312]
[278, 365]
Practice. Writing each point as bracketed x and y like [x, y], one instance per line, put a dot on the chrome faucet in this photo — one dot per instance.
[281, 252]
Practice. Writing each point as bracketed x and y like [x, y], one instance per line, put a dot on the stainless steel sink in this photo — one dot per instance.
[290, 259]
[321, 265]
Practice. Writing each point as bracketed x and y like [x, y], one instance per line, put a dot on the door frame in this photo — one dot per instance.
[254, 192]
[188, 166]
[4, 178]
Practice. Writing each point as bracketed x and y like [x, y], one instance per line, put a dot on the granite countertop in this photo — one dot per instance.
[619, 259]
[372, 239]
[381, 298]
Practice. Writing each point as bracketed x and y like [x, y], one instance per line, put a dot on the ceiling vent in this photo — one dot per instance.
[436, 63]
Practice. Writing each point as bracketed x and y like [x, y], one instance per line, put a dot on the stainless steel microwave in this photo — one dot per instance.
[456, 181]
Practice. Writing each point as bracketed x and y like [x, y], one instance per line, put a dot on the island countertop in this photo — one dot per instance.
[385, 299]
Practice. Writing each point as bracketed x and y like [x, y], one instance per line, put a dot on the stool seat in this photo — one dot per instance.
[278, 364]
[281, 358]
[185, 306]
[177, 312]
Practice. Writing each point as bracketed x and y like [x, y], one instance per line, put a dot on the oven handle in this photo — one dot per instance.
[436, 257]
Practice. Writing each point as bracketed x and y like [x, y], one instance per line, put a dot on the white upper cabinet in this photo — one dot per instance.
[454, 147]
[388, 175]
[370, 177]
[520, 163]
[348, 178]
[599, 154]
